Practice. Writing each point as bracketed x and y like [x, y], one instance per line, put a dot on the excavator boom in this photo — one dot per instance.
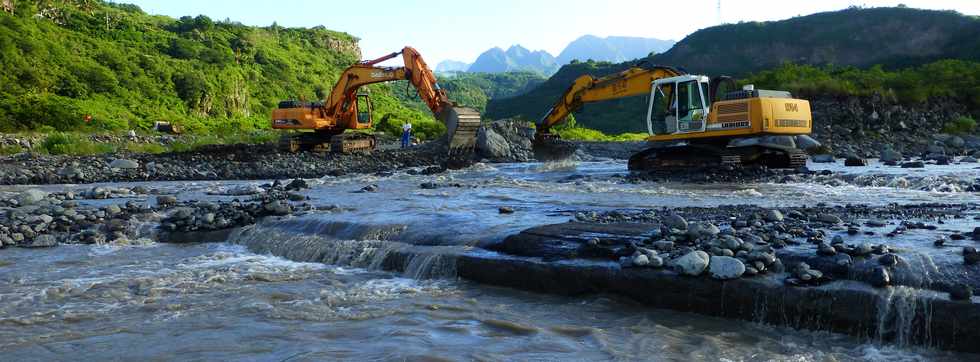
[343, 108]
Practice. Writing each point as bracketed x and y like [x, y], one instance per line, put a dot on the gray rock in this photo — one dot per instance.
[773, 215]
[693, 263]
[663, 245]
[891, 155]
[913, 164]
[725, 267]
[826, 250]
[641, 260]
[955, 142]
[491, 145]
[888, 260]
[675, 221]
[31, 197]
[278, 207]
[656, 261]
[122, 163]
[829, 219]
[166, 200]
[112, 209]
[702, 229]
[880, 277]
[968, 159]
[505, 210]
[41, 241]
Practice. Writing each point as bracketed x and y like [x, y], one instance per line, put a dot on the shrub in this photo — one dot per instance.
[68, 144]
[961, 125]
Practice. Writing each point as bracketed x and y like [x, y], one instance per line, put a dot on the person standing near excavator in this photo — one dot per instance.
[406, 134]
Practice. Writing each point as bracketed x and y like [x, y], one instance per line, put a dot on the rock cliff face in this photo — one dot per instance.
[866, 126]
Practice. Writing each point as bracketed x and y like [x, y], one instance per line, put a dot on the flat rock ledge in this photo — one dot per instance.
[897, 314]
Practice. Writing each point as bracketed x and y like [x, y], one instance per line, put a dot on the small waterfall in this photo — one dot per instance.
[368, 254]
[418, 262]
[431, 265]
[902, 314]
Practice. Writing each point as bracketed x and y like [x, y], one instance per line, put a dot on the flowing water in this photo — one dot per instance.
[276, 291]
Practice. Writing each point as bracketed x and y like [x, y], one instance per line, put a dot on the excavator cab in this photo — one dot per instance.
[364, 108]
[679, 105]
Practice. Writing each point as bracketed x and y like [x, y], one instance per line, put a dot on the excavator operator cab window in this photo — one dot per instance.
[363, 109]
[678, 106]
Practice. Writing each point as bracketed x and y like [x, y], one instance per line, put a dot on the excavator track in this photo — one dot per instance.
[342, 143]
[353, 142]
[702, 156]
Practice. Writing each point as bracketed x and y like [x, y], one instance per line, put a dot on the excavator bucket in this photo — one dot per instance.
[461, 127]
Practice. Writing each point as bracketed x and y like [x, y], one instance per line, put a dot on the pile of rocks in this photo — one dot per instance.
[219, 162]
[868, 127]
[35, 218]
[747, 241]
[696, 248]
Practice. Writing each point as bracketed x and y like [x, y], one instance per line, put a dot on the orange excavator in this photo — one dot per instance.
[323, 124]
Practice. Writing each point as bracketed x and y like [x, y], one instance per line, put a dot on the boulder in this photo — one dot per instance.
[675, 221]
[41, 241]
[955, 142]
[725, 267]
[492, 145]
[773, 215]
[122, 163]
[693, 263]
[31, 197]
[702, 229]
[829, 219]
[913, 164]
[880, 277]
[891, 155]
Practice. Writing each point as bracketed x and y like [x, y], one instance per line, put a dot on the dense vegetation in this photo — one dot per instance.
[895, 37]
[956, 80]
[952, 79]
[473, 90]
[64, 60]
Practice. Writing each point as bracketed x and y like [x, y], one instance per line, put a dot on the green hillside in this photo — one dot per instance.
[821, 55]
[894, 37]
[473, 89]
[65, 59]
[617, 116]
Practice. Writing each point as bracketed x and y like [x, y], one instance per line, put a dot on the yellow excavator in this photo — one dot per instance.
[323, 124]
[693, 120]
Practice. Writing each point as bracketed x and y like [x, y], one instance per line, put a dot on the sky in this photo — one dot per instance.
[462, 29]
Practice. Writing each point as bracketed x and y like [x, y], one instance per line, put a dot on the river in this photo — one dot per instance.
[233, 301]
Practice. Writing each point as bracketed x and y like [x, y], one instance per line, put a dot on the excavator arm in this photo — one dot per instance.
[586, 89]
[461, 123]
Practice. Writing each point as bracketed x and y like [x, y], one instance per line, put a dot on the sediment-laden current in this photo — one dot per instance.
[242, 300]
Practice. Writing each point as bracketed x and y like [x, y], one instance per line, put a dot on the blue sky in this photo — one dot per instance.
[462, 29]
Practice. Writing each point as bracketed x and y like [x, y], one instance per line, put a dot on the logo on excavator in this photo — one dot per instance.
[380, 74]
[791, 107]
